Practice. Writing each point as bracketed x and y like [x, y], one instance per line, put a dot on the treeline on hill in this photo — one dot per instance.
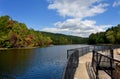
[110, 36]
[59, 39]
[14, 35]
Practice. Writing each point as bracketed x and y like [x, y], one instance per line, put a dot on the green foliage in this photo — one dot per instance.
[59, 39]
[14, 34]
[111, 36]
[92, 38]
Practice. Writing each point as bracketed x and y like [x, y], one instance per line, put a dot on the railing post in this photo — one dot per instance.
[67, 54]
[111, 52]
[95, 61]
[111, 63]
[97, 66]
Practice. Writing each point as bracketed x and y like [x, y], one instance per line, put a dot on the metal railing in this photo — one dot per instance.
[73, 60]
[106, 63]
[81, 51]
[104, 47]
[71, 65]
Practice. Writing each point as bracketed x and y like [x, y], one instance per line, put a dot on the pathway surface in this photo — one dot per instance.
[81, 71]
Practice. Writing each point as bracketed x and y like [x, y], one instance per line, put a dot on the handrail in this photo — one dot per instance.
[72, 61]
[71, 65]
[82, 51]
[105, 63]
[105, 47]
[109, 57]
[71, 56]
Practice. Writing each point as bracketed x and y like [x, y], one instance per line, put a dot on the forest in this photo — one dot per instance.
[14, 34]
[110, 36]
[61, 39]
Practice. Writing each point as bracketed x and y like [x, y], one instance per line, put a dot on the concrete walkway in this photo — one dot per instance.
[81, 71]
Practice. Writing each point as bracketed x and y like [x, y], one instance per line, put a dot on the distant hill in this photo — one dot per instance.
[65, 39]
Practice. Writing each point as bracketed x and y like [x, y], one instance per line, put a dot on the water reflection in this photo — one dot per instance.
[39, 63]
[15, 61]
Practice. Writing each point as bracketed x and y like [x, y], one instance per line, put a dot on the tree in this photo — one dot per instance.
[92, 38]
[14, 34]
[112, 36]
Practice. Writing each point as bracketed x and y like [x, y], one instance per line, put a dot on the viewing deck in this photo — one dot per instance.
[85, 70]
[98, 62]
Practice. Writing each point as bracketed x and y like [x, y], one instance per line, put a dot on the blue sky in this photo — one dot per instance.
[72, 17]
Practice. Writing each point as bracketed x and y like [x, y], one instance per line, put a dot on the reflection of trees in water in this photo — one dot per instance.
[6, 76]
[15, 61]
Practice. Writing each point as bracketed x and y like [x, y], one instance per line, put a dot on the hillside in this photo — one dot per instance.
[14, 34]
[65, 39]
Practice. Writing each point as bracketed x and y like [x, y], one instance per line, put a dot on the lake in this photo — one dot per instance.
[37, 63]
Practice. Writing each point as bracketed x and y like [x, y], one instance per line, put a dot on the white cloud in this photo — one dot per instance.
[54, 30]
[78, 8]
[77, 27]
[116, 3]
[77, 11]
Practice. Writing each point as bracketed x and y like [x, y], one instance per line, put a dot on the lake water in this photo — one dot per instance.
[37, 63]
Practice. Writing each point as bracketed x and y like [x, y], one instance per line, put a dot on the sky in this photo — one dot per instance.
[71, 17]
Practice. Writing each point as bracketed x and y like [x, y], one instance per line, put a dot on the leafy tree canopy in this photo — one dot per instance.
[110, 36]
[14, 34]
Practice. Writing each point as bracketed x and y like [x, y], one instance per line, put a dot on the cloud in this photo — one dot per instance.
[76, 12]
[74, 24]
[78, 8]
[77, 27]
[116, 3]
[54, 30]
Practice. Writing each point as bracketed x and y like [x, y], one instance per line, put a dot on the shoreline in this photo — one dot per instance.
[18, 48]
